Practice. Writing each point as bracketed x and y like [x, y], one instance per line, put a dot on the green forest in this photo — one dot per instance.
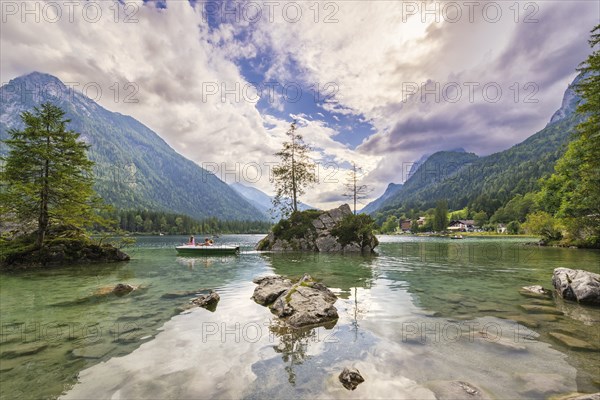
[157, 222]
[548, 185]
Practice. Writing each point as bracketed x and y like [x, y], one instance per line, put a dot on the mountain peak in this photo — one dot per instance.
[35, 86]
[39, 78]
[134, 167]
[570, 101]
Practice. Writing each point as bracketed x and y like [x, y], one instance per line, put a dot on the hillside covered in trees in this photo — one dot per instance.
[488, 183]
[133, 167]
[155, 222]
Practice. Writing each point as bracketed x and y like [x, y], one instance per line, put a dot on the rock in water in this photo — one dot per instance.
[577, 285]
[351, 378]
[535, 289]
[270, 288]
[208, 301]
[122, 289]
[319, 231]
[571, 342]
[579, 396]
[453, 390]
[303, 304]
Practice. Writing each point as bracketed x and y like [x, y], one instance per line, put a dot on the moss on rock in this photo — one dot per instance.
[332, 231]
[68, 248]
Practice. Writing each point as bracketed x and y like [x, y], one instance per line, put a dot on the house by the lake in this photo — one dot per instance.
[462, 225]
[405, 225]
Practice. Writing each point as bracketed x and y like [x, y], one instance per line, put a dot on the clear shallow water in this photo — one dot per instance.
[408, 317]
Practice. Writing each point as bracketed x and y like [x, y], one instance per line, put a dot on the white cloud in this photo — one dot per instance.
[369, 53]
[376, 51]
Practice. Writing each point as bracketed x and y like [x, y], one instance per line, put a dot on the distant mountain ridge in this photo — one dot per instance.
[415, 166]
[262, 201]
[489, 182]
[134, 167]
[375, 204]
[569, 103]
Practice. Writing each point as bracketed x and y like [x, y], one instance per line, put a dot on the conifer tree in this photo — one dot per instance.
[47, 178]
[294, 173]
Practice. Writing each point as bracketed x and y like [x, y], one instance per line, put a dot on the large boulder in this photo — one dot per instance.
[306, 303]
[320, 231]
[270, 288]
[577, 285]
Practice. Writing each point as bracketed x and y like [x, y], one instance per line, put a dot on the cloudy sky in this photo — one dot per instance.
[377, 83]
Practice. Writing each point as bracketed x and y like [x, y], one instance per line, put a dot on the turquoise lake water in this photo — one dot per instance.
[421, 311]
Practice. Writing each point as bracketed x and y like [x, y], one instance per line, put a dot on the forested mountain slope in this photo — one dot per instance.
[486, 183]
[135, 168]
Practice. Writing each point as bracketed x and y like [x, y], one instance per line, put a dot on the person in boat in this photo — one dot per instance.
[192, 241]
[207, 242]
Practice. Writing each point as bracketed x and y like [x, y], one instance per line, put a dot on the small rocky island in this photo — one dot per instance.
[63, 247]
[333, 231]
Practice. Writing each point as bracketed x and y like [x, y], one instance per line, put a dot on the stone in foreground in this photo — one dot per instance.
[270, 288]
[306, 303]
[122, 289]
[534, 291]
[577, 285]
[351, 378]
[578, 396]
[571, 342]
[208, 301]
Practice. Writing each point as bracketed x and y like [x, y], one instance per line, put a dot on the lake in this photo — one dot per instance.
[421, 312]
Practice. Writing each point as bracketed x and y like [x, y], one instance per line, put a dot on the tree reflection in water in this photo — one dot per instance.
[294, 344]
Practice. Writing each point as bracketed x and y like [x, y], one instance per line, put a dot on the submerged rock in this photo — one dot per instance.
[571, 342]
[534, 291]
[208, 301]
[453, 390]
[578, 396]
[538, 309]
[96, 351]
[524, 320]
[587, 314]
[351, 378]
[188, 293]
[485, 339]
[24, 349]
[120, 289]
[303, 304]
[577, 285]
[535, 385]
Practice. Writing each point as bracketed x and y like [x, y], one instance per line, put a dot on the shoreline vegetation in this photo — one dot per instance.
[553, 195]
[62, 248]
[47, 200]
[147, 222]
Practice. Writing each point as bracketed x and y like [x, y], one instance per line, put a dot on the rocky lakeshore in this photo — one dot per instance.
[577, 285]
[63, 253]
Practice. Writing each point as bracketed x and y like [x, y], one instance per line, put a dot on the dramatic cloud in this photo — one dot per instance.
[483, 81]
[192, 64]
